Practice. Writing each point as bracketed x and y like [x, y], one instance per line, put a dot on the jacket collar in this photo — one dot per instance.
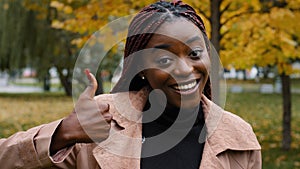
[122, 149]
[226, 131]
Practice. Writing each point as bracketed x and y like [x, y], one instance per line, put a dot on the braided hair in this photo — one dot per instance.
[140, 31]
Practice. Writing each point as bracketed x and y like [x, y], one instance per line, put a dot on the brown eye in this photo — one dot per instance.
[164, 61]
[196, 54]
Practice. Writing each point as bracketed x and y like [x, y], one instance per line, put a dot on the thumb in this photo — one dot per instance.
[92, 87]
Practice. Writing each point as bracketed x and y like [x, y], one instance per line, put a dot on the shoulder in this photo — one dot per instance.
[231, 132]
[236, 123]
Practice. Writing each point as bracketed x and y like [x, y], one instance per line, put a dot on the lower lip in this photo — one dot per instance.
[188, 92]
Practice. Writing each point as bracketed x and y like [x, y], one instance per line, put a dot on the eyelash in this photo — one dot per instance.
[161, 61]
[198, 53]
[165, 61]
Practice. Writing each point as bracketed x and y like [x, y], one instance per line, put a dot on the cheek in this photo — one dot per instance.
[156, 78]
[203, 66]
[207, 62]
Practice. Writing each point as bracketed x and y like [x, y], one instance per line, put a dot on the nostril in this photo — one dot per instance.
[183, 68]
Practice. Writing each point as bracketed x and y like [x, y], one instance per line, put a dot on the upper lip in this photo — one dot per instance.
[185, 82]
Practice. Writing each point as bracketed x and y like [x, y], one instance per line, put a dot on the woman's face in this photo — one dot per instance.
[177, 63]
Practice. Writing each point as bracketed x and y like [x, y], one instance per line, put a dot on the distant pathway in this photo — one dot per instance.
[5, 87]
[20, 89]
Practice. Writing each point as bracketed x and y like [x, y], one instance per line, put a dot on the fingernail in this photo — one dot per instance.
[87, 72]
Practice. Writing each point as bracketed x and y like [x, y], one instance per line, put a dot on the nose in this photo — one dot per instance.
[183, 68]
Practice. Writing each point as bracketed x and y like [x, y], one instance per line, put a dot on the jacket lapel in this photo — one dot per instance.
[225, 131]
[122, 149]
[209, 158]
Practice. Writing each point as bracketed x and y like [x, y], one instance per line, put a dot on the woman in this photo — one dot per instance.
[167, 55]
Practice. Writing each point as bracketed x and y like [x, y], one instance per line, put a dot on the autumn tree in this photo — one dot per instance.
[269, 37]
[218, 16]
[244, 33]
[87, 19]
[90, 17]
[27, 39]
[255, 33]
[16, 42]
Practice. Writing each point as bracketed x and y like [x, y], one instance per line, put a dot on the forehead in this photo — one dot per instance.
[179, 29]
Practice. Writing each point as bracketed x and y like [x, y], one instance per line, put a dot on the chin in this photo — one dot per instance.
[187, 103]
[190, 105]
[190, 102]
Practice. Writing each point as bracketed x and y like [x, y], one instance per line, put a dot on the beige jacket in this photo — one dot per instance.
[230, 142]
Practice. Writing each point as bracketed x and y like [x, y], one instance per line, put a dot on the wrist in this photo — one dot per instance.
[62, 137]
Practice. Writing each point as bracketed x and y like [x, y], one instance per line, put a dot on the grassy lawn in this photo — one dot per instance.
[262, 111]
[22, 111]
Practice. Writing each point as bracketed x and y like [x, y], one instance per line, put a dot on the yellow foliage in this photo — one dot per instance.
[57, 24]
[58, 5]
[252, 37]
[6, 6]
[68, 9]
[285, 68]
[79, 42]
[263, 39]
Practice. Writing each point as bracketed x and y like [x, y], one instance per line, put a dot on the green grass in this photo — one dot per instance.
[253, 86]
[262, 111]
[37, 84]
[22, 111]
[295, 83]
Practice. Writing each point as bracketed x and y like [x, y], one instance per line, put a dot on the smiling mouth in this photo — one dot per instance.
[188, 86]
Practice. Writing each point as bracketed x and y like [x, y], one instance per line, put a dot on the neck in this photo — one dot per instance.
[167, 116]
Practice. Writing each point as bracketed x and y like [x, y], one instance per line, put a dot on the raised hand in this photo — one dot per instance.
[89, 122]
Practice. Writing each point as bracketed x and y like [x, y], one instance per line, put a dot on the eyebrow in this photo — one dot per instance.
[161, 46]
[195, 38]
[166, 46]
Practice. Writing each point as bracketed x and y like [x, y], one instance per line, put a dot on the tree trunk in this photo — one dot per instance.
[286, 119]
[215, 39]
[65, 81]
[47, 82]
[100, 85]
[244, 74]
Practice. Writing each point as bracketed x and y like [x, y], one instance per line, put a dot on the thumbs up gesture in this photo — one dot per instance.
[93, 117]
[89, 122]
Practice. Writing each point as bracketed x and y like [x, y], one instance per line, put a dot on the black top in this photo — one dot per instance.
[186, 154]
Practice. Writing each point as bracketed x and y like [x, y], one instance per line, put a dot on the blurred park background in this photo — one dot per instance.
[257, 41]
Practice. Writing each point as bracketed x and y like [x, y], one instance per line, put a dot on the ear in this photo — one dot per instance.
[142, 75]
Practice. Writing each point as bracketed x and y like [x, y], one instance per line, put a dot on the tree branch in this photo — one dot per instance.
[202, 13]
[238, 15]
[223, 34]
[247, 12]
[294, 9]
[225, 9]
[205, 16]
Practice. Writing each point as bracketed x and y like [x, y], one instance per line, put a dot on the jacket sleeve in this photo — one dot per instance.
[30, 149]
[255, 160]
[234, 159]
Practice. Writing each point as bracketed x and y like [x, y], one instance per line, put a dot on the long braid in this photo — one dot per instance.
[140, 31]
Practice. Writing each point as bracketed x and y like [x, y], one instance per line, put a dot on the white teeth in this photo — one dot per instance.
[186, 86]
